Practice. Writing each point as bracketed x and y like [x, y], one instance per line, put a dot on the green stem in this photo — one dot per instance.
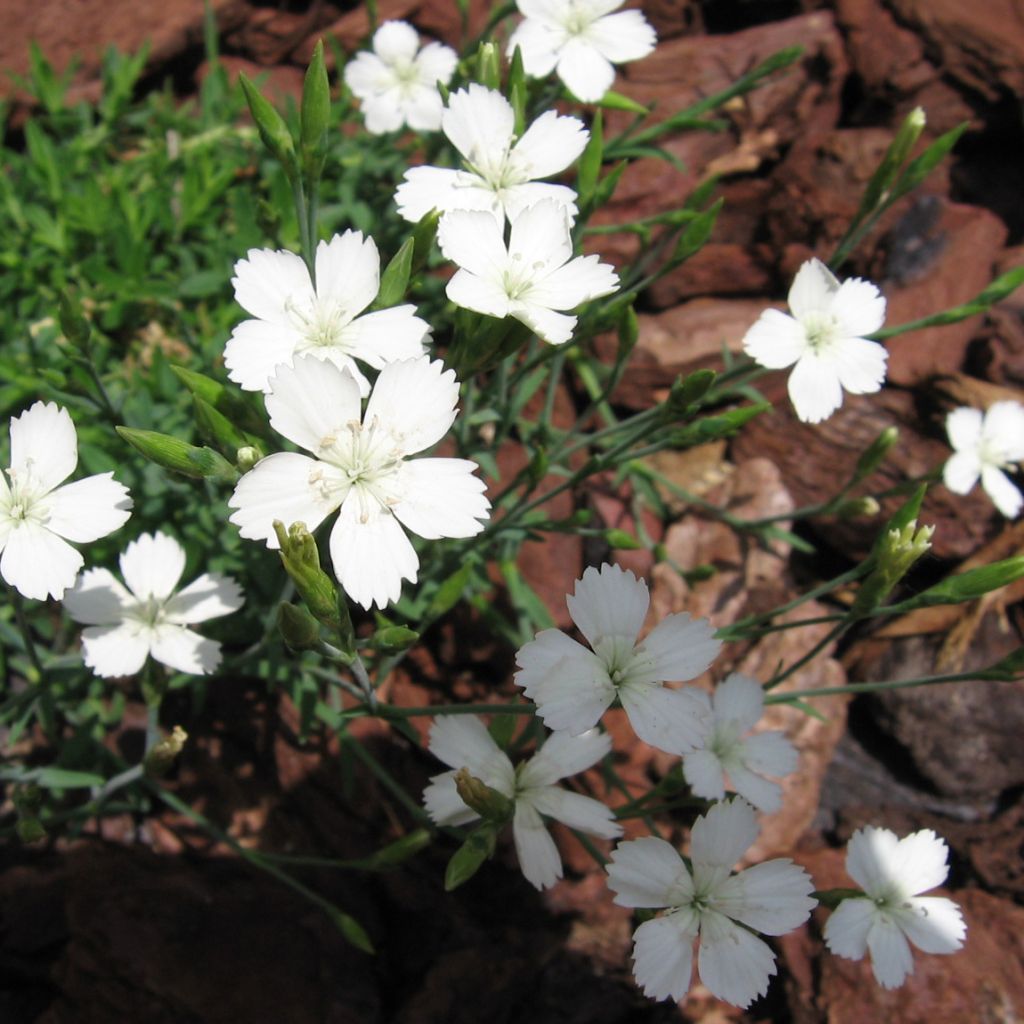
[832, 635]
[876, 687]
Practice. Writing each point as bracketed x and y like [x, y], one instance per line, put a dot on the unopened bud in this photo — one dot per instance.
[247, 457]
[299, 630]
[872, 457]
[858, 508]
[478, 796]
[897, 551]
[393, 639]
[159, 760]
[177, 455]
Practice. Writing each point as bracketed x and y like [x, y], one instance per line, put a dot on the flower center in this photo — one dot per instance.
[320, 324]
[577, 19]
[820, 330]
[147, 612]
[22, 504]
[406, 74]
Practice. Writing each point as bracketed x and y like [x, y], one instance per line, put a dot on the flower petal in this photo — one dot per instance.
[676, 721]
[256, 349]
[609, 601]
[207, 597]
[703, 772]
[385, 336]
[870, 856]
[813, 290]
[462, 741]
[538, 45]
[87, 509]
[773, 897]
[575, 810]
[964, 427]
[563, 755]
[648, 872]
[814, 388]
[859, 308]
[152, 565]
[891, 959]
[622, 37]
[766, 796]
[721, 836]
[961, 471]
[846, 930]
[371, 558]
[479, 122]
[663, 955]
[312, 402]
[416, 398]
[770, 753]
[538, 855]
[554, 328]
[44, 447]
[775, 340]
[740, 700]
[285, 486]
[38, 563]
[1003, 493]
[347, 275]
[473, 240]
[119, 650]
[269, 283]
[479, 294]
[395, 41]
[548, 146]
[441, 498]
[1004, 429]
[97, 599]
[677, 649]
[443, 803]
[933, 924]
[179, 648]
[580, 280]
[440, 188]
[585, 71]
[860, 365]
[734, 964]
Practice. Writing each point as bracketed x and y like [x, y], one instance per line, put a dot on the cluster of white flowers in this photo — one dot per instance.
[704, 902]
[39, 514]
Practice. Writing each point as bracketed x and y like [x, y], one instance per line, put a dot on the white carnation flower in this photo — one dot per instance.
[462, 741]
[581, 41]
[532, 278]
[573, 686]
[825, 339]
[38, 516]
[893, 872]
[149, 616]
[397, 85]
[706, 902]
[362, 467]
[501, 172]
[985, 445]
[737, 705]
[292, 317]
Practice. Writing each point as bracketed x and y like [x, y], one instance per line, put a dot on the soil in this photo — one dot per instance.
[152, 921]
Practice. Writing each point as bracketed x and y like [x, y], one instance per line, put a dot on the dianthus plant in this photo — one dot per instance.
[414, 378]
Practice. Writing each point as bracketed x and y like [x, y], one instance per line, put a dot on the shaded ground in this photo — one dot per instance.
[153, 922]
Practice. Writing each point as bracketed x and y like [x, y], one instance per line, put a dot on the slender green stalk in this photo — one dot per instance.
[875, 687]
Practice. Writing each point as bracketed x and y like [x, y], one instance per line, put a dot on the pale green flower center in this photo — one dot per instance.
[146, 613]
[821, 331]
[22, 504]
[321, 325]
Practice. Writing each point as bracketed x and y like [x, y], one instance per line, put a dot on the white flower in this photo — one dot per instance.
[125, 626]
[501, 172]
[292, 317]
[892, 872]
[736, 707]
[706, 901]
[581, 41]
[572, 686]
[38, 516]
[531, 278]
[985, 445]
[397, 85]
[825, 338]
[361, 466]
[463, 741]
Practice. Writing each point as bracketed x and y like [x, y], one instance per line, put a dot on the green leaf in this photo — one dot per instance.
[590, 160]
[395, 279]
[451, 591]
[470, 856]
[63, 778]
[616, 101]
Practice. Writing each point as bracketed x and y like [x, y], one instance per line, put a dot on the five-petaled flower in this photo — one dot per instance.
[737, 704]
[38, 516]
[127, 624]
[705, 901]
[985, 445]
[501, 172]
[462, 741]
[893, 872]
[532, 278]
[572, 687]
[581, 41]
[397, 85]
[824, 338]
[362, 466]
[292, 317]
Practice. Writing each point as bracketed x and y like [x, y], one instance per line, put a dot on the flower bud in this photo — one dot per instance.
[247, 457]
[179, 456]
[896, 552]
[393, 639]
[687, 391]
[857, 508]
[159, 760]
[315, 113]
[299, 630]
[470, 856]
[486, 801]
[273, 131]
[872, 458]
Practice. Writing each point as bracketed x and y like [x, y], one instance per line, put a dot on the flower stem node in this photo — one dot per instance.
[161, 758]
[478, 796]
